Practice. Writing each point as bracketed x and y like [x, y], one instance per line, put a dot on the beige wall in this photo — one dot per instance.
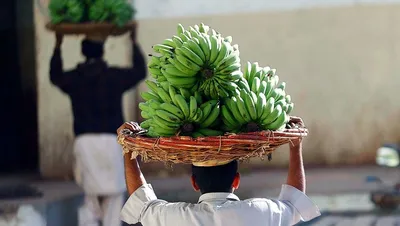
[341, 66]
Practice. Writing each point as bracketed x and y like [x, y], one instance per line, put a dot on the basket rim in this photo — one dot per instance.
[85, 28]
[208, 151]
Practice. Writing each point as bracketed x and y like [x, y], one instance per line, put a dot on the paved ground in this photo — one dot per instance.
[357, 219]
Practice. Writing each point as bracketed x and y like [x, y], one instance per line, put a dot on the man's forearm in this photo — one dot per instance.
[296, 177]
[133, 174]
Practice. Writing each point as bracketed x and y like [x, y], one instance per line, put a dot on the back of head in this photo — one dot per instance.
[92, 49]
[216, 178]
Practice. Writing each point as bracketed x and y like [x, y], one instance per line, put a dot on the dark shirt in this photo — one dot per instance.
[96, 90]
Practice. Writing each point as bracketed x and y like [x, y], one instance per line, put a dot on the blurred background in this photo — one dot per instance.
[340, 59]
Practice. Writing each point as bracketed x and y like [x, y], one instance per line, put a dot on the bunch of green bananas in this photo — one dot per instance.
[169, 111]
[66, 11]
[198, 59]
[118, 12]
[261, 104]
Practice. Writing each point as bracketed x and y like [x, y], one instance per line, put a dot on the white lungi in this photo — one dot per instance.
[99, 170]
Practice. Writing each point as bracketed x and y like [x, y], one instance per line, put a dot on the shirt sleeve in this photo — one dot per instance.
[57, 76]
[130, 77]
[137, 204]
[297, 204]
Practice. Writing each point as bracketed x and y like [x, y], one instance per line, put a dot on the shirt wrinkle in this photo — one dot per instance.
[215, 209]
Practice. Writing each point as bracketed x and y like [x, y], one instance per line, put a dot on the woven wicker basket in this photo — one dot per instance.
[203, 151]
[102, 29]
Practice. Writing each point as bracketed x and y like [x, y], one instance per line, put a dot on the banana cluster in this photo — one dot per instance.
[198, 59]
[260, 104]
[170, 111]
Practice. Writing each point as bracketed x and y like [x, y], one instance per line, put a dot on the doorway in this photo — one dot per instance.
[18, 97]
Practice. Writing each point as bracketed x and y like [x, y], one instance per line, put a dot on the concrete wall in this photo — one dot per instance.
[55, 119]
[340, 64]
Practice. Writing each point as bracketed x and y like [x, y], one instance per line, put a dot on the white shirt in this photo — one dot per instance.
[219, 209]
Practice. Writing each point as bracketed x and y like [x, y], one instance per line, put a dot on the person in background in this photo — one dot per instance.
[96, 90]
[218, 205]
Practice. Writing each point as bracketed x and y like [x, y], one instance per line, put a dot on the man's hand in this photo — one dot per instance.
[59, 39]
[293, 123]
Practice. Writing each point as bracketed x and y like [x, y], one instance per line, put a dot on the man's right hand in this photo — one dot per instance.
[59, 39]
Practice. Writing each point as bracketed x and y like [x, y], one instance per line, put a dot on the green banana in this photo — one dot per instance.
[192, 107]
[288, 99]
[232, 68]
[150, 96]
[279, 122]
[205, 46]
[145, 115]
[165, 85]
[185, 93]
[146, 123]
[188, 63]
[242, 83]
[158, 47]
[196, 48]
[163, 132]
[155, 71]
[180, 29]
[228, 116]
[263, 87]
[154, 104]
[290, 108]
[233, 107]
[172, 94]
[211, 117]
[167, 116]
[173, 110]
[177, 40]
[197, 134]
[282, 86]
[222, 54]
[256, 85]
[242, 108]
[189, 54]
[261, 105]
[227, 61]
[198, 116]
[183, 105]
[182, 68]
[169, 42]
[164, 95]
[215, 48]
[273, 116]
[181, 82]
[249, 104]
[247, 70]
[174, 71]
[165, 124]
[269, 108]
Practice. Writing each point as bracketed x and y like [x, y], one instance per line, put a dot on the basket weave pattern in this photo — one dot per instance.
[186, 150]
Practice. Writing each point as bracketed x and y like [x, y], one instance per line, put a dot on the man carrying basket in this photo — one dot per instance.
[96, 91]
[218, 205]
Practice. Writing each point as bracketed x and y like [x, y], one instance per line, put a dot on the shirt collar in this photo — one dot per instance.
[214, 196]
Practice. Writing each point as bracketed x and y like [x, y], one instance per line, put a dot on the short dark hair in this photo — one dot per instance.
[216, 178]
[92, 49]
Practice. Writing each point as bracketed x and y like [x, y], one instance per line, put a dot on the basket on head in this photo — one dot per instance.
[104, 29]
[204, 151]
